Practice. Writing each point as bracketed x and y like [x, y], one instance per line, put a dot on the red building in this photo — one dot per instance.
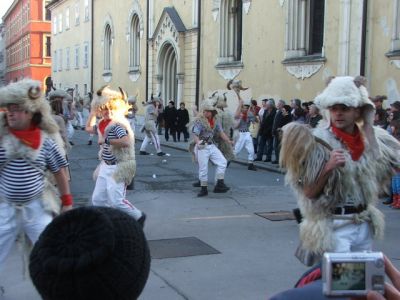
[27, 40]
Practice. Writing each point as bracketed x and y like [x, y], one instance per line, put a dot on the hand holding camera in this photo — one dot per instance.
[360, 275]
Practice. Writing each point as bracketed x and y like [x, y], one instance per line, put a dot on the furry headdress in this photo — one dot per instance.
[28, 94]
[350, 91]
[59, 94]
[208, 104]
[105, 95]
[219, 99]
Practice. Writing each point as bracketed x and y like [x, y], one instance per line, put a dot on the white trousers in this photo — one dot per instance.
[107, 192]
[245, 140]
[210, 152]
[352, 237]
[154, 138]
[31, 219]
[70, 129]
[79, 119]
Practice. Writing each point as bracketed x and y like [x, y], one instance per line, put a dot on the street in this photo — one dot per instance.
[215, 247]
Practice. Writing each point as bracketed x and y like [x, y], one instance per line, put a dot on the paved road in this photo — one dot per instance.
[253, 256]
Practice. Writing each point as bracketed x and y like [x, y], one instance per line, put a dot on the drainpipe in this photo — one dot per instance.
[91, 52]
[147, 51]
[364, 37]
[198, 52]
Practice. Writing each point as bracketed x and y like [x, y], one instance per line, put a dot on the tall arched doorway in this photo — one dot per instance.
[168, 72]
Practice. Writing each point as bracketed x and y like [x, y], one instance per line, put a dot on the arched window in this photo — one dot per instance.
[134, 43]
[107, 47]
[230, 39]
[304, 28]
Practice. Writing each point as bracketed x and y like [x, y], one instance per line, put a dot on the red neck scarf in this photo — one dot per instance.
[29, 137]
[354, 142]
[244, 116]
[103, 124]
[211, 122]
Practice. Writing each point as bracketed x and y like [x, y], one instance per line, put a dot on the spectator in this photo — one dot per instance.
[313, 117]
[284, 118]
[298, 114]
[380, 113]
[91, 253]
[182, 121]
[266, 138]
[255, 109]
[170, 119]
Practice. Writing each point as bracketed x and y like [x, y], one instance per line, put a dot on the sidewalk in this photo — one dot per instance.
[240, 159]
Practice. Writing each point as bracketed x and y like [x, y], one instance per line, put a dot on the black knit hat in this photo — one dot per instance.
[91, 253]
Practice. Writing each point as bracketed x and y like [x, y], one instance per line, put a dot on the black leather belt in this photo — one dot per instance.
[346, 210]
[110, 163]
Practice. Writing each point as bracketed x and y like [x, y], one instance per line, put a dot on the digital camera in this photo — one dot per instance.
[353, 273]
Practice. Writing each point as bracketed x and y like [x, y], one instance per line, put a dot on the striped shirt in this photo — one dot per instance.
[116, 132]
[20, 181]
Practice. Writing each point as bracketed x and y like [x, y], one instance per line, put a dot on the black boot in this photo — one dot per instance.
[203, 192]
[252, 167]
[196, 184]
[220, 187]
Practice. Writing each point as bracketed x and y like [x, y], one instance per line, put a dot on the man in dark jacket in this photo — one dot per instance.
[280, 120]
[265, 133]
[170, 119]
[182, 121]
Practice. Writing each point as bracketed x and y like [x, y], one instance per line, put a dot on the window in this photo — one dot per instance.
[85, 54]
[47, 46]
[67, 58]
[60, 23]
[67, 18]
[77, 13]
[47, 12]
[195, 13]
[76, 90]
[86, 10]
[55, 25]
[85, 89]
[230, 39]
[134, 40]
[396, 27]
[77, 57]
[60, 59]
[107, 48]
[54, 61]
[305, 28]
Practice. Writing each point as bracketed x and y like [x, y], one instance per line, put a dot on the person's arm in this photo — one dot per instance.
[121, 142]
[63, 188]
[225, 137]
[91, 121]
[239, 109]
[314, 189]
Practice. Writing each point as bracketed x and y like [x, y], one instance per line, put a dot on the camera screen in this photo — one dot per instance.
[348, 276]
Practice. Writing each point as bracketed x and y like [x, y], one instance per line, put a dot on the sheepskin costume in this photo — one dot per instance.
[226, 120]
[28, 94]
[126, 162]
[305, 152]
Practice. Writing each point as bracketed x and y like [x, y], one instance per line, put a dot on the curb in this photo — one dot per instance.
[238, 161]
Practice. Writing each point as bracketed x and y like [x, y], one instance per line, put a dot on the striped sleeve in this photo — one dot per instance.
[54, 159]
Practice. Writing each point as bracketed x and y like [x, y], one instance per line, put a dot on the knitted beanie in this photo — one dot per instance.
[91, 253]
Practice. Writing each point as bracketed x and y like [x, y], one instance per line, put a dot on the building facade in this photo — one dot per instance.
[283, 49]
[2, 56]
[27, 41]
[71, 45]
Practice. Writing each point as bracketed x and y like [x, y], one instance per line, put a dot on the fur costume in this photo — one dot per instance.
[59, 94]
[305, 152]
[126, 162]
[27, 93]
